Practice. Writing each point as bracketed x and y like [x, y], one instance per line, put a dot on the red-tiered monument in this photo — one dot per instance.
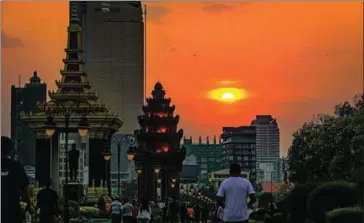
[159, 156]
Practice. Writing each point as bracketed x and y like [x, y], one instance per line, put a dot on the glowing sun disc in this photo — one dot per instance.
[227, 95]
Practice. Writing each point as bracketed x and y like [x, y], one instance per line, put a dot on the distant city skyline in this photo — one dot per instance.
[291, 68]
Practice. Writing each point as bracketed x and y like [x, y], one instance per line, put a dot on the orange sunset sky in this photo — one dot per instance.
[295, 59]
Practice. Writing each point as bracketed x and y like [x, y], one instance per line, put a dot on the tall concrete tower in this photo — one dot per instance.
[267, 143]
[113, 43]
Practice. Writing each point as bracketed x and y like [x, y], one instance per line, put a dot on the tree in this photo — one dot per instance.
[329, 147]
[283, 192]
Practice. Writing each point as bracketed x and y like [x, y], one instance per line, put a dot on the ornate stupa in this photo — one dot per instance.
[159, 151]
[73, 93]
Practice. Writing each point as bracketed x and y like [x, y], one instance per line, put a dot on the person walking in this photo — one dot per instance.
[198, 211]
[116, 210]
[47, 203]
[235, 191]
[220, 212]
[135, 211]
[173, 211]
[190, 214]
[144, 214]
[205, 213]
[183, 212]
[127, 211]
[14, 181]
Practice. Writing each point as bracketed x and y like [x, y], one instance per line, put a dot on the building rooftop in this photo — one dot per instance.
[268, 187]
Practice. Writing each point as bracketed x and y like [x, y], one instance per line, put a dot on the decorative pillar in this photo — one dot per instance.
[96, 162]
[54, 150]
[164, 185]
[42, 160]
[149, 186]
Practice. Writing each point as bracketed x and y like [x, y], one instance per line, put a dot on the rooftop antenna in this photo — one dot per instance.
[19, 80]
[145, 53]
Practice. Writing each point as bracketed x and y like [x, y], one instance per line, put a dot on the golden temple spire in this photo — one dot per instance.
[74, 85]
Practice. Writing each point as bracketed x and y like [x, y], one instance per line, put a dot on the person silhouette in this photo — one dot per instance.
[73, 157]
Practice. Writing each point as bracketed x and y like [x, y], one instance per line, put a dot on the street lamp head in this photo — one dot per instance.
[50, 126]
[159, 180]
[130, 154]
[107, 155]
[172, 185]
[139, 171]
[173, 180]
[157, 170]
[83, 127]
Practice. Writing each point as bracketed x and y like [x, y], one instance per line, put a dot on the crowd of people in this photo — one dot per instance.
[231, 204]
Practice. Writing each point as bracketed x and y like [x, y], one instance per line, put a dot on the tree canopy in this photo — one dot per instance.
[329, 147]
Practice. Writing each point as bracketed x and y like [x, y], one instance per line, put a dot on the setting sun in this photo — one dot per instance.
[227, 95]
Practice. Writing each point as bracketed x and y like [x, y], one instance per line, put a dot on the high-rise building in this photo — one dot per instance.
[25, 99]
[190, 170]
[267, 139]
[207, 153]
[239, 147]
[113, 43]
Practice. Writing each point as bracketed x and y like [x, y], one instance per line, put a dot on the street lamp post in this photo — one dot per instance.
[130, 140]
[107, 156]
[51, 108]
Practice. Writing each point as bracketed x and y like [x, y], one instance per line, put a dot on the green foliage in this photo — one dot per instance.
[330, 196]
[360, 186]
[74, 208]
[295, 203]
[283, 192]
[89, 212]
[351, 214]
[330, 147]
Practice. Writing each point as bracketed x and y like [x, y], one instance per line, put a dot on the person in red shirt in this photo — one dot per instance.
[135, 211]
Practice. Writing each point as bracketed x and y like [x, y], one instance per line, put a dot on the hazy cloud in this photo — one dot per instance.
[217, 7]
[156, 12]
[325, 52]
[9, 41]
[172, 49]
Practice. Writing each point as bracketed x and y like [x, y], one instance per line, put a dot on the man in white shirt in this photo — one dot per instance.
[235, 191]
[127, 211]
[116, 209]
